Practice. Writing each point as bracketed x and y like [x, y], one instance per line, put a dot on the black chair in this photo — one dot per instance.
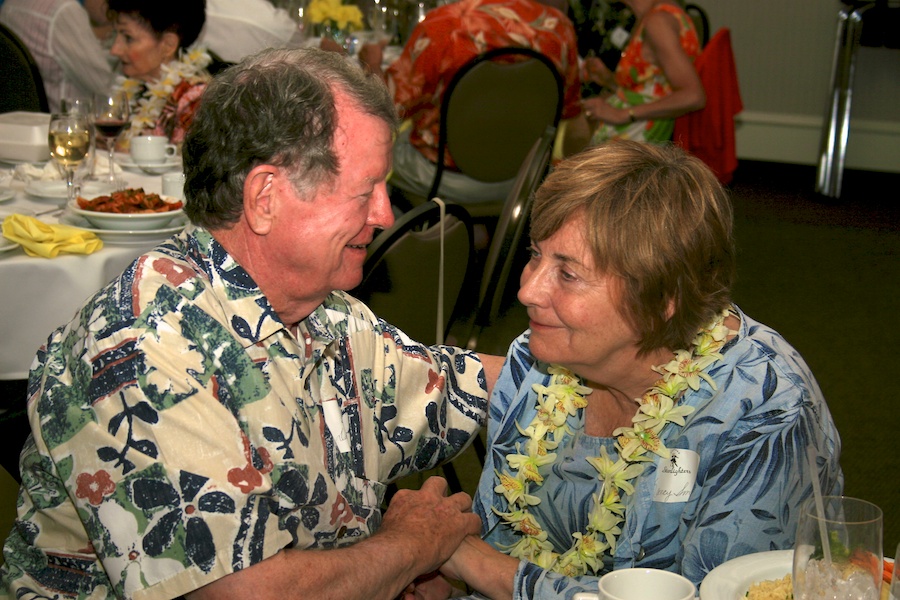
[701, 22]
[406, 279]
[508, 236]
[492, 111]
[21, 84]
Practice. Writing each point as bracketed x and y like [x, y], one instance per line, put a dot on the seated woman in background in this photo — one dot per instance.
[655, 80]
[643, 420]
[163, 75]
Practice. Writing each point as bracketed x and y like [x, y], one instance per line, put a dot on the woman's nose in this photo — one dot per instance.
[528, 285]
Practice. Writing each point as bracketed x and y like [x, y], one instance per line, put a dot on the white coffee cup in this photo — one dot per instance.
[173, 185]
[642, 584]
[151, 149]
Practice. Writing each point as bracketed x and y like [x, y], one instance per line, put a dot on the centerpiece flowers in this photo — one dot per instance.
[331, 18]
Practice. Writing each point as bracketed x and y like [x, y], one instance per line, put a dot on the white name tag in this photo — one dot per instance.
[675, 477]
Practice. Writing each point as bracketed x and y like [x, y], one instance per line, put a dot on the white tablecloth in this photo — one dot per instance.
[37, 295]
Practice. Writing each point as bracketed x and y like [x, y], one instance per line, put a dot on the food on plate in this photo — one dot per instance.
[771, 589]
[128, 201]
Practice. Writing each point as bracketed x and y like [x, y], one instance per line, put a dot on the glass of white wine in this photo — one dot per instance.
[111, 114]
[69, 138]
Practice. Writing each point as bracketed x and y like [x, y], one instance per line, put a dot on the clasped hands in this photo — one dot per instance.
[439, 524]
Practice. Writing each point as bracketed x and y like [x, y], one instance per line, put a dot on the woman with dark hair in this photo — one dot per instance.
[164, 73]
[643, 420]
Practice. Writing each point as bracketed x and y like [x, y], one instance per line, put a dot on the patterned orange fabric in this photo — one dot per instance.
[453, 34]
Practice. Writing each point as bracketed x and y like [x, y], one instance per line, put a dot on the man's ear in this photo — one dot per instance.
[260, 198]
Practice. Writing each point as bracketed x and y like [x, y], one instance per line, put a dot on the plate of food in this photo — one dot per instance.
[131, 209]
[764, 571]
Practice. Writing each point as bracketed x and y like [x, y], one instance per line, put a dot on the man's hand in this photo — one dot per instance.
[432, 523]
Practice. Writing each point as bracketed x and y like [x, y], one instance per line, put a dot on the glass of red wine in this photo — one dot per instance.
[111, 117]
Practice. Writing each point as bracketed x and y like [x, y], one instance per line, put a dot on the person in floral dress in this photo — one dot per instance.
[643, 420]
[163, 74]
[448, 38]
[655, 80]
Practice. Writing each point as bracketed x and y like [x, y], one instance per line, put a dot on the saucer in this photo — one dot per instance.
[126, 162]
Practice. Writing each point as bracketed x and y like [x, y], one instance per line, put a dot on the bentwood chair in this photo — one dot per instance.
[21, 84]
[507, 241]
[416, 271]
[414, 275]
[492, 111]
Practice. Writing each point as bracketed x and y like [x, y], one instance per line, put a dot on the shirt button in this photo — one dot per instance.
[641, 553]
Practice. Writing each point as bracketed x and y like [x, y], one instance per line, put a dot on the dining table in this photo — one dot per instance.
[38, 294]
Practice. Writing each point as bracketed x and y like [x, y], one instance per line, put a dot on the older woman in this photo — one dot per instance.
[643, 420]
[163, 74]
[655, 80]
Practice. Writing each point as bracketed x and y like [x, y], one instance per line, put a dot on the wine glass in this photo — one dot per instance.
[111, 113]
[848, 565]
[85, 106]
[69, 138]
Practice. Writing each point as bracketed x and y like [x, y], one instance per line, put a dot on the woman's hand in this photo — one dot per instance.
[431, 586]
[597, 111]
[597, 72]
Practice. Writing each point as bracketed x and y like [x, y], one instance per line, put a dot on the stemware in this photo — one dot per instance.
[83, 106]
[69, 139]
[111, 114]
[838, 550]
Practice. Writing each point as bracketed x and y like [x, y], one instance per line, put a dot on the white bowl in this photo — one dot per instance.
[127, 221]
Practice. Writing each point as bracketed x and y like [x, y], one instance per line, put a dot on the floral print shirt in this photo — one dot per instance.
[452, 35]
[750, 435]
[639, 81]
[181, 432]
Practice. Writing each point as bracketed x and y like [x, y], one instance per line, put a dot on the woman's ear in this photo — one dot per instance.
[170, 42]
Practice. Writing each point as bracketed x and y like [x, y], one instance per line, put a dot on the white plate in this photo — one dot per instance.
[147, 221]
[126, 162]
[56, 190]
[7, 194]
[731, 580]
[125, 237]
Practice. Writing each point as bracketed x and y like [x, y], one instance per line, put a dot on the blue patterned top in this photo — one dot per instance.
[182, 432]
[749, 436]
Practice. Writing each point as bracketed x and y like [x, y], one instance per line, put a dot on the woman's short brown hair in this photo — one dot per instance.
[657, 218]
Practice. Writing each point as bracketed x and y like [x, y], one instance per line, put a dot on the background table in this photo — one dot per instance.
[37, 295]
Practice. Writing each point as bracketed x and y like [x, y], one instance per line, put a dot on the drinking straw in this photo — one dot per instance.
[820, 505]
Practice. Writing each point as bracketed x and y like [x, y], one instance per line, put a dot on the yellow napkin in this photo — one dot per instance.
[41, 239]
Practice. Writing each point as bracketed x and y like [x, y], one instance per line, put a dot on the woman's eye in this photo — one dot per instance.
[567, 275]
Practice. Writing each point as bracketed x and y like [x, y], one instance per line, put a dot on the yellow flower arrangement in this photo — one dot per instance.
[335, 14]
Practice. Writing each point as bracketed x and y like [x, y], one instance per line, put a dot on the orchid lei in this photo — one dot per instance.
[635, 444]
[152, 97]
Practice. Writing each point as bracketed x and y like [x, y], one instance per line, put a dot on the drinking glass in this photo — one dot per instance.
[83, 106]
[69, 139]
[111, 114]
[838, 550]
[895, 578]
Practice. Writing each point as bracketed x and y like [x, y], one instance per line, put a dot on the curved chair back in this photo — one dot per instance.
[493, 110]
[507, 240]
[701, 22]
[401, 273]
[21, 84]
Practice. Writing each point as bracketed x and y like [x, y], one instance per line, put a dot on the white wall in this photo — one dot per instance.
[784, 51]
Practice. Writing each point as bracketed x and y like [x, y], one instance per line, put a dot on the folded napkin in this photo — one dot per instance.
[51, 171]
[41, 239]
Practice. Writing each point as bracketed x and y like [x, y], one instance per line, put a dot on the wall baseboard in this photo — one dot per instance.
[795, 139]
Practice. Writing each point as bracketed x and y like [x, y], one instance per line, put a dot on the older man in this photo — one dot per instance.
[219, 422]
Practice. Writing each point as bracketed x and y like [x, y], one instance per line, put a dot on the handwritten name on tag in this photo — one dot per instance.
[675, 477]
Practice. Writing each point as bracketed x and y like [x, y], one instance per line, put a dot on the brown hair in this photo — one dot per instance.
[657, 218]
